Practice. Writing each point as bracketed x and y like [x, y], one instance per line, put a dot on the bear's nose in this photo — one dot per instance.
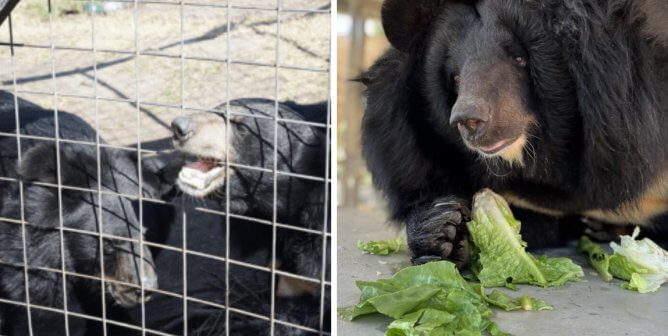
[182, 128]
[469, 119]
[472, 124]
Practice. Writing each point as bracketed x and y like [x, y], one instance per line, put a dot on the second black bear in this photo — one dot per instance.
[83, 213]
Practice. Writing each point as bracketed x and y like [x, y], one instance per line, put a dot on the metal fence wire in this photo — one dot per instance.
[219, 271]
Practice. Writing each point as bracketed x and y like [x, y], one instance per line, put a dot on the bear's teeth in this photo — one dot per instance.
[212, 174]
[193, 177]
[197, 179]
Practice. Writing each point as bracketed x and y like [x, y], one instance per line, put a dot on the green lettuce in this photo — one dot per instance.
[494, 330]
[508, 303]
[643, 260]
[381, 247]
[598, 258]
[434, 299]
[621, 268]
[499, 257]
[640, 262]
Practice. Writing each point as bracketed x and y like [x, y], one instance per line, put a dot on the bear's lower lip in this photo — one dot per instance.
[495, 147]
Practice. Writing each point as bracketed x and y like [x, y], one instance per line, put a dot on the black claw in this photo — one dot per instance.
[454, 206]
[453, 217]
[439, 233]
[466, 213]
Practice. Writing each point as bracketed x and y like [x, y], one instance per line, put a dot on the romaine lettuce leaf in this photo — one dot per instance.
[381, 247]
[424, 321]
[508, 303]
[598, 258]
[433, 299]
[494, 330]
[641, 262]
[411, 289]
[621, 268]
[644, 260]
[499, 256]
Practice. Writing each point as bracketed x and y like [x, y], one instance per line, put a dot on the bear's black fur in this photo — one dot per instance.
[249, 288]
[588, 81]
[301, 150]
[80, 211]
[250, 241]
[300, 203]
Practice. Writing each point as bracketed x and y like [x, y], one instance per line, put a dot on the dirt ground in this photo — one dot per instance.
[304, 43]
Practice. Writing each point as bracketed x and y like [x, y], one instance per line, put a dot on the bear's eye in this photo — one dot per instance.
[456, 79]
[521, 61]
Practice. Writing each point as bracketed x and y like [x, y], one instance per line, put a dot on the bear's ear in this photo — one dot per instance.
[39, 163]
[404, 20]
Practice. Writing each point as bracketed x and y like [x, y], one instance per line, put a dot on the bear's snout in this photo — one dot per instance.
[182, 128]
[470, 119]
[125, 270]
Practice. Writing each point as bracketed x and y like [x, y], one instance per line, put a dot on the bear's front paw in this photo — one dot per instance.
[439, 232]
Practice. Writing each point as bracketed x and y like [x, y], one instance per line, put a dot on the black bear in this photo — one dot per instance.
[300, 149]
[197, 210]
[560, 105]
[83, 214]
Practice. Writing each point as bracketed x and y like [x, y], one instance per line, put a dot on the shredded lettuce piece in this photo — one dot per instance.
[645, 261]
[423, 321]
[499, 257]
[598, 258]
[494, 330]
[508, 303]
[621, 268]
[434, 299]
[381, 247]
[641, 262]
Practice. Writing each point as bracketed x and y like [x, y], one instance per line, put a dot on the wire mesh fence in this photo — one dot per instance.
[98, 239]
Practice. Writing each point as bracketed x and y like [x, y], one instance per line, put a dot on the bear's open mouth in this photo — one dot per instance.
[200, 175]
[205, 164]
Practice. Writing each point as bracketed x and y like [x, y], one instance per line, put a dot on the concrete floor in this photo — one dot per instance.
[591, 307]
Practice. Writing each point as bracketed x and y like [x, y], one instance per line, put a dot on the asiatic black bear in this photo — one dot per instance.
[301, 149]
[201, 141]
[83, 214]
[560, 105]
